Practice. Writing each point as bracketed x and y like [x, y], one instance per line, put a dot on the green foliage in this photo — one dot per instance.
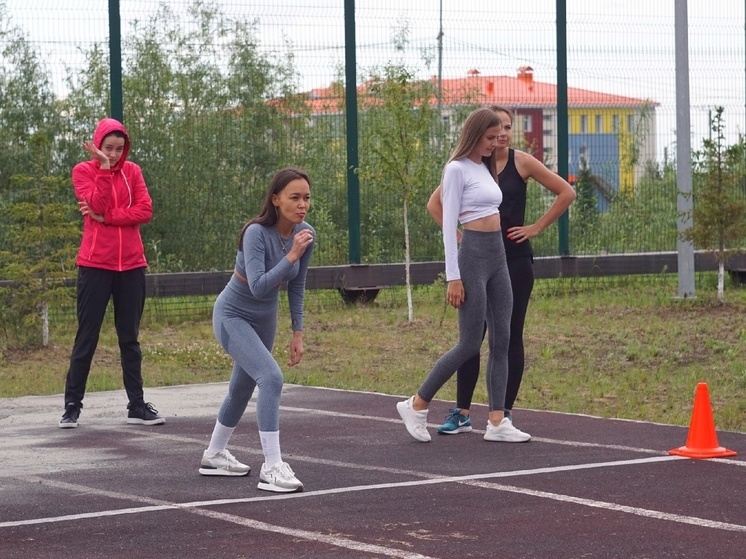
[196, 102]
[212, 114]
[401, 165]
[719, 212]
[87, 102]
[27, 105]
[41, 233]
[585, 208]
[643, 220]
[614, 347]
[323, 156]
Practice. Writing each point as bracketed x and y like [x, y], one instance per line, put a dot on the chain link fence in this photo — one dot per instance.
[219, 94]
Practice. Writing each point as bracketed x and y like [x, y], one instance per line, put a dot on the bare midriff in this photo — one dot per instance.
[484, 224]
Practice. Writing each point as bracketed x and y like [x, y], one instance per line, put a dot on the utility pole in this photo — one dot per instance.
[684, 203]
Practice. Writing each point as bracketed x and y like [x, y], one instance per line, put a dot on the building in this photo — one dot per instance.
[613, 134]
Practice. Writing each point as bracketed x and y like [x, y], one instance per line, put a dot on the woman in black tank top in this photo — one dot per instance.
[514, 169]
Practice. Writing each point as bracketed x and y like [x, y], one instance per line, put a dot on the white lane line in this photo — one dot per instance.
[367, 467]
[615, 507]
[159, 505]
[577, 444]
[472, 479]
[313, 536]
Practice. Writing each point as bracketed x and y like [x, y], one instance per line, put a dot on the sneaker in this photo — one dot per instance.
[455, 423]
[143, 414]
[505, 432]
[222, 463]
[414, 421]
[280, 478]
[70, 417]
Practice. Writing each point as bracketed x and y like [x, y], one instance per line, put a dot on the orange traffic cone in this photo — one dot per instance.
[702, 441]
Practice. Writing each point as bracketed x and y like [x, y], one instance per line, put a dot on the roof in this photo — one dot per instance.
[523, 91]
[520, 91]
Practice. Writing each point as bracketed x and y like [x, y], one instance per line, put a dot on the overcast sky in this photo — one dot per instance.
[622, 47]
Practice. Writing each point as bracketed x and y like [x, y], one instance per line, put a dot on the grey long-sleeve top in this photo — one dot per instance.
[262, 262]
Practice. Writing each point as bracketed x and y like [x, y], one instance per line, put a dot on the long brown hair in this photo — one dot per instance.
[268, 215]
[475, 126]
[501, 109]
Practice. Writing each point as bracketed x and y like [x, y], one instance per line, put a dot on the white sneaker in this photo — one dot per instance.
[414, 421]
[222, 463]
[505, 432]
[280, 478]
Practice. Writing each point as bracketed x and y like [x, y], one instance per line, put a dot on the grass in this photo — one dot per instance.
[616, 348]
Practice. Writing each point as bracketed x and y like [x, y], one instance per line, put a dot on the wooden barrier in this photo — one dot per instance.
[359, 282]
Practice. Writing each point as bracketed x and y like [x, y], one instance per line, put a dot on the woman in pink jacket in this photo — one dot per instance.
[114, 201]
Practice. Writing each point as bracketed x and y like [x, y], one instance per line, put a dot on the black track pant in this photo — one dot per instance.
[95, 288]
[521, 272]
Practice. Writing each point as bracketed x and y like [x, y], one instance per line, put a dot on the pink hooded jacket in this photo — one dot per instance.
[120, 195]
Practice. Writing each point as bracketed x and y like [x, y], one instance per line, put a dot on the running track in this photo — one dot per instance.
[584, 487]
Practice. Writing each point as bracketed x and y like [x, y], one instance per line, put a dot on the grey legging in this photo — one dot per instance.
[250, 345]
[484, 273]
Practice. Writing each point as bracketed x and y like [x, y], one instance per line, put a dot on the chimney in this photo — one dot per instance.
[473, 72]
[526, 74]
[490, 88]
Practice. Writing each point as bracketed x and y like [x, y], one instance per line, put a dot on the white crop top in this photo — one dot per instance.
[468, 193]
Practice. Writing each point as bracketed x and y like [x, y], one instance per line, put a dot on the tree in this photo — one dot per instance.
[585, 208]
[42, 236]
[27, 103]
[197, 105]
[87, 102]
[719, 208]
[400, 123]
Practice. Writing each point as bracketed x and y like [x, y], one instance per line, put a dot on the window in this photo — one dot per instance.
[547, 125]
[583, 124]
[599, 124]
[630, 123]
[615, 124]
[583, 155]
[527, 123]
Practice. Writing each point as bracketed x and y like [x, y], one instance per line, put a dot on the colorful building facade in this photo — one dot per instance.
[614, 135]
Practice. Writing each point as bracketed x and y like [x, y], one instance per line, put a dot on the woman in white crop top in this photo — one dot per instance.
[477, 276]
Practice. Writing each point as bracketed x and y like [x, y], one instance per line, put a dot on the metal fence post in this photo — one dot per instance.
[115, 61]
[684, 201]
[353, 180]
[563, 223]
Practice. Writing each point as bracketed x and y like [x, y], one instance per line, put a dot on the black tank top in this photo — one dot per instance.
[513, 207]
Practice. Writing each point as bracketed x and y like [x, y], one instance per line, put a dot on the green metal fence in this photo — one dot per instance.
[218, 94]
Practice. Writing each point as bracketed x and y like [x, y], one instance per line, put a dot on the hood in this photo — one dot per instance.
[105, 127]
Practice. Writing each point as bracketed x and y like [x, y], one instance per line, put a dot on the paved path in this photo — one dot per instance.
[584, 487]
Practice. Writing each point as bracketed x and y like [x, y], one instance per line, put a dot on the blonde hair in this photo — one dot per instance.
[475, 126]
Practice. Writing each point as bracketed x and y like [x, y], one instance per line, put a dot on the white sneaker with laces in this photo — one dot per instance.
[505, 432]
[222, 463]
[280, 478]
[415, 421]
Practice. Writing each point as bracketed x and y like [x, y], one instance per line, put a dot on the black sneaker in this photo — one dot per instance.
[143, 414]
[70, 417]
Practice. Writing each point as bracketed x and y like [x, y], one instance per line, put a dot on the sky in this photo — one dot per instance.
[625, 48]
